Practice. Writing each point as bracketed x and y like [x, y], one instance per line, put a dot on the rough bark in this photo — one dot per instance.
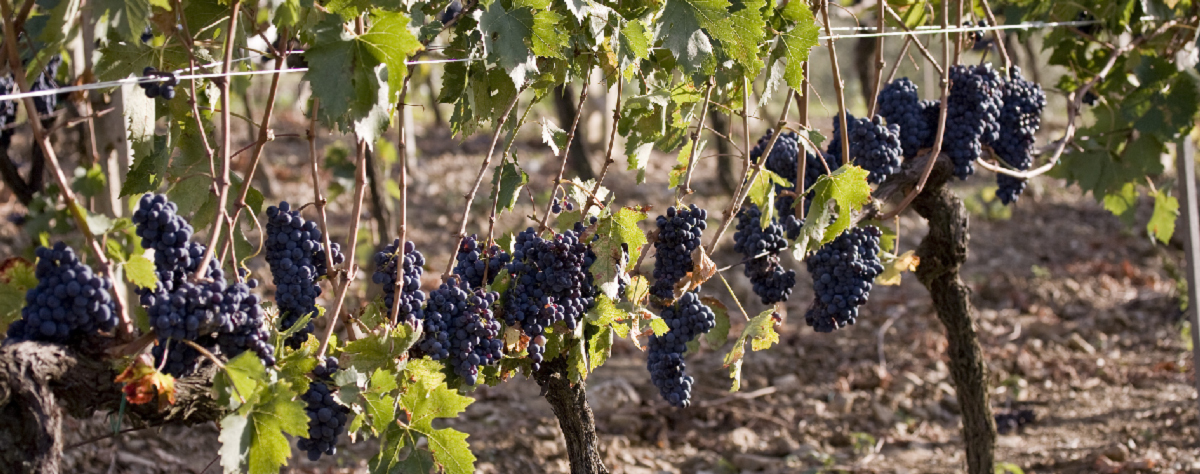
[40, 382]
[564, 105]
[942, 253]
[570, 406]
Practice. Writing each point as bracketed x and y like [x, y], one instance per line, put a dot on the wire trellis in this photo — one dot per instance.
[872, 33]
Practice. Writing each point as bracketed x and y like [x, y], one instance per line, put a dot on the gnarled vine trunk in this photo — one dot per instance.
[40, 382]
[942, 253]
[570, 406]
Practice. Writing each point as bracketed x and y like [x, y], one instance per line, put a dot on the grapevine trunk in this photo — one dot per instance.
[570, 405]
[942, 254]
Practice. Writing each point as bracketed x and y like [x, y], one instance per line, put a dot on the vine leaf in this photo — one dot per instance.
[382, 351]
[252, 436]
[634, 42]
[131, 17]
[546, 38]
[842, 193]
[614, 234]
[140, 271]
[719, 333]
[1162, 221]
[16, 277]
[510, 179]
[553, 136]
[895, 265]
[504, 34]
[426, 398]
[143, 383]
[746, 31]
[797, 42]
[344, 68]
[682, 31]
[149, 166]
[760, 331]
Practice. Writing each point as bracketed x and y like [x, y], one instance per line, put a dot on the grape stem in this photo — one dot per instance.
[185, 37]
[563, 153]
[744, 188]
[470, 196]
[838, 86]
[999, 34]
[222, 180]
[343, 285]
[879, 63]
[932, 156]
[265, 134]
[402, 150]
[318, 198]
[125, 330]
[924, 51]
[686, 189]
[608, 156]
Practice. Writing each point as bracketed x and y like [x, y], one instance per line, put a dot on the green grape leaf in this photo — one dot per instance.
[382, 351]
[149, 167]
[1162, 221]
[90, 182]
[504, 34]
[760, 332]
[510, 180]
[798, 42]
[659, 326]
[762, 191]
[426, 398]
[345, 68]
[191, 193]
[287, 14]
[604, 312]
[634, 44]
[252, 437]
[747, 29]
[682, 30]
[16, 278]
[546, 38]
[379, 404]
[719, 333]
[615, 233]
[242, 378]
[577, 360]
[140, 271]
[296, 365]
[1123, 203]
[599, 348]
[129, 17]
[553, 136]
[846, 190]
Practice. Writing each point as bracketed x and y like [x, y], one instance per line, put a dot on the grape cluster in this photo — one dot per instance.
[325, 369]
[843, 271]
[476, 266]
[460, 326]
[679, 233]
[782, 159]
[69, 300]
[975, 36]
[687, 318]
[875, 147]
[209, 312]
[295, 251]
[550, 283]
[411, 296]
[558, 205]
[326, 420]
[8, 111]
[164, 89]
[45, 81]
[973, 113]
[835, 143]
[163, 230]
[900, 103]
[1020, 118]
[760, 247]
